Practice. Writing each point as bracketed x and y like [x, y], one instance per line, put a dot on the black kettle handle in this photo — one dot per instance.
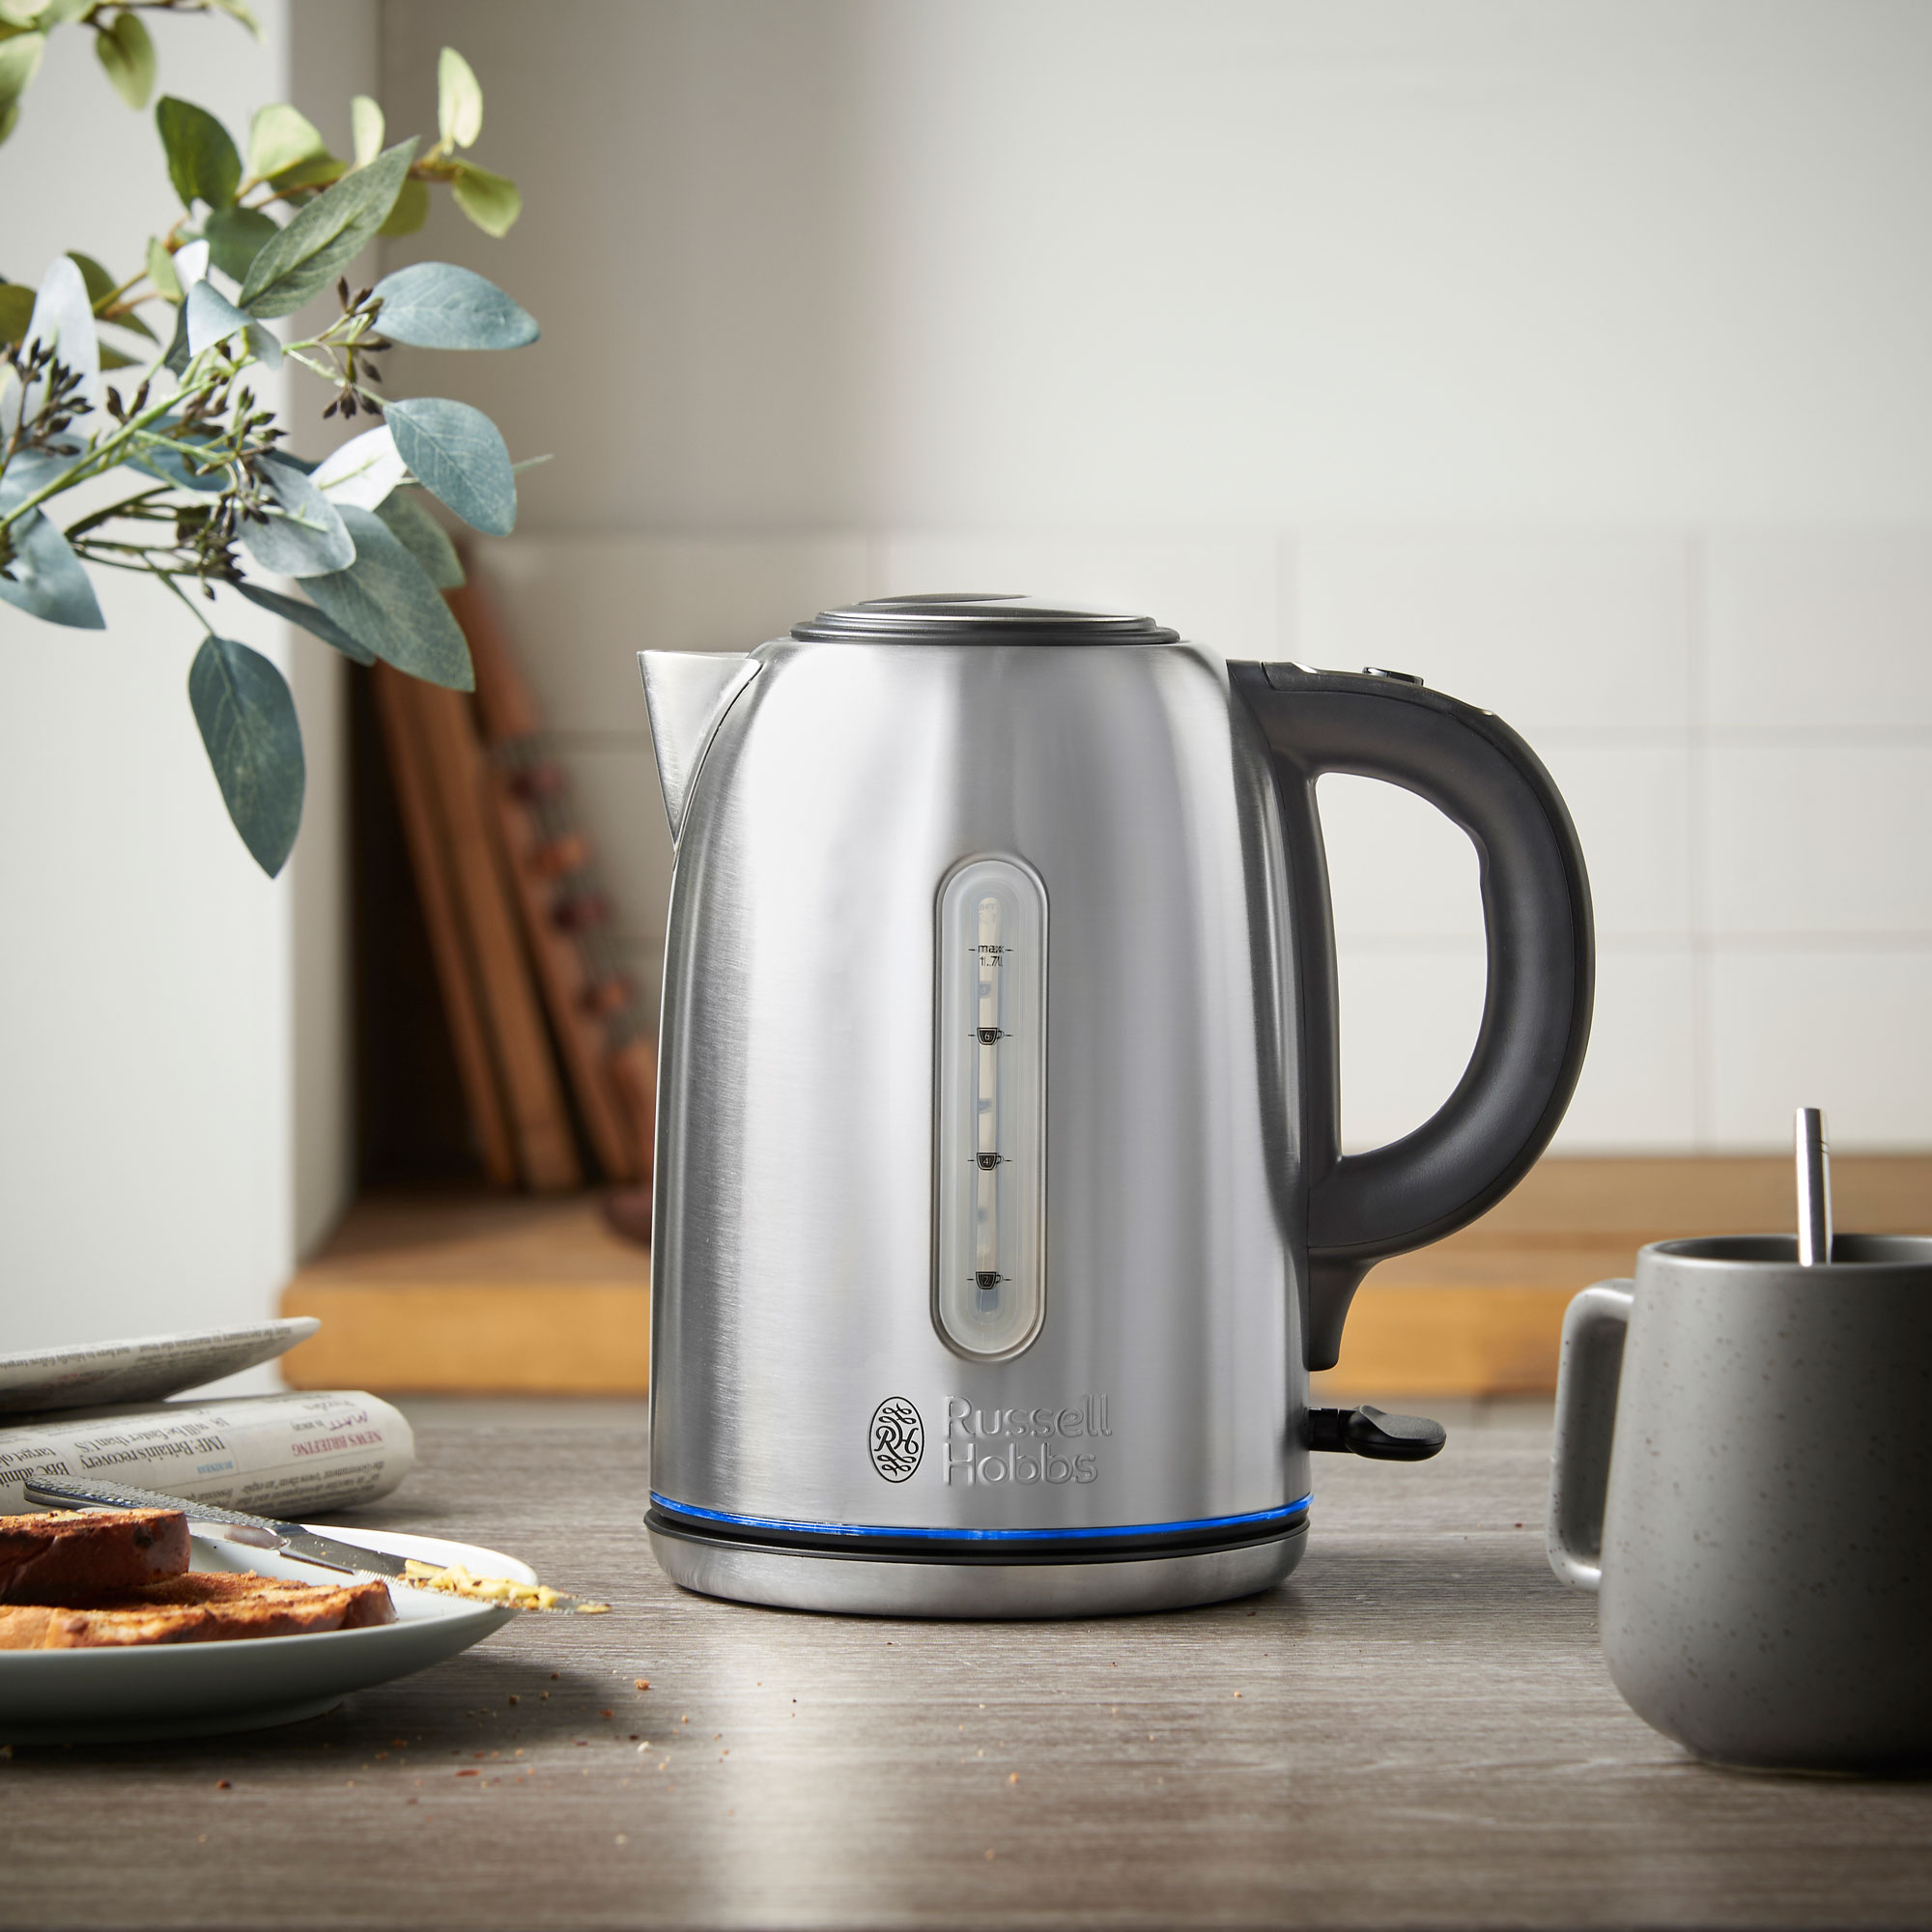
[1536, 915]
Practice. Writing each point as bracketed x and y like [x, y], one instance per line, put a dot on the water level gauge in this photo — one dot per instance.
[989, 1290]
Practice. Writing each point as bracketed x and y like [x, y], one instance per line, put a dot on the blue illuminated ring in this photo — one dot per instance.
[1253, 1520]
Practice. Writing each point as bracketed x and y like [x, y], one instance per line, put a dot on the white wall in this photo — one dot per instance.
[332, 55]
[169, 1124]
[1569, 353]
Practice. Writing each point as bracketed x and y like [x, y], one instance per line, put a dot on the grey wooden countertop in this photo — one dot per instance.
[1416, 1730]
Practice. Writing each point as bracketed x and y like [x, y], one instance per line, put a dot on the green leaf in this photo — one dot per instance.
[10, 117]
[161, 269]
[304, 535]
[16, 310]
[202, 161]
[102, 288]
[489, 200]
[235, 236]
[312, 172]
[125, 51]
[281, 137]
[423, 537]
[458, 456]
[367, 123]
[133, 323]
[410, 212]
[19, 62]
[100, 284]
[239, 10]
[385, 602]
[436, 306]
[247, 721]
[118, 358]
[322, 240]
[308, 617]
[459, 100]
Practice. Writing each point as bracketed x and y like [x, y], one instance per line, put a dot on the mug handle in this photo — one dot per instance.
[1588, 1374]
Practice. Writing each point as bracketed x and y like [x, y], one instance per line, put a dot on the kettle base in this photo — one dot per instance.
[869, 1586]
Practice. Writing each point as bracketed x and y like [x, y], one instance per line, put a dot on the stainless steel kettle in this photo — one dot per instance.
[1000, 1209]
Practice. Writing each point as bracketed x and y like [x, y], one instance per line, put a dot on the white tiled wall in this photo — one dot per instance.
[1740, 721]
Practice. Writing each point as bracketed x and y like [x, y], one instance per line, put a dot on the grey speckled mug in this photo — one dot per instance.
[1741, 1469]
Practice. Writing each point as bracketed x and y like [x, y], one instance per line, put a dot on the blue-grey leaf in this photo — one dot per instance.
[248, 723]
[212, 318]
[309, 618]
[62, 322]
[30, 470]
[385, 602]
[436, 306]
[175, 361]
[320, 242]
[45, 579]
[308, 537]
[458, 455]
[423, 537]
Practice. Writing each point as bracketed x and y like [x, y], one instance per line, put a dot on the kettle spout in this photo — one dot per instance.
[687, 693]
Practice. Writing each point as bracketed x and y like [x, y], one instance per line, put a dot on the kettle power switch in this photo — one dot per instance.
[1374, 1432]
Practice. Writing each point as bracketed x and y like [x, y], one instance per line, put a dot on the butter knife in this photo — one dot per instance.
[287, 1538]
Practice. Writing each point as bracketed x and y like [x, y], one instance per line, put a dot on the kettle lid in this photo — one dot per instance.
[967, 618]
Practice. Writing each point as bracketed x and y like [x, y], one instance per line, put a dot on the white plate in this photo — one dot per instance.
[144, 1368]
[195, 1690]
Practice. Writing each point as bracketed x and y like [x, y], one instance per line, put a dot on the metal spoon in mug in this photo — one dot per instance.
[1814, 1189]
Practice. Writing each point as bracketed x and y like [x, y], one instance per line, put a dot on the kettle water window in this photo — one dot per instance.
[990, 1266]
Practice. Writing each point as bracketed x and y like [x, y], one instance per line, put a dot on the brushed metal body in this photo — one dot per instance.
[856, 1585]
[794, 1223]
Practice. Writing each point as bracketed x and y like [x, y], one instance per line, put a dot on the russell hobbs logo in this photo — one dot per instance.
[1022, 1445]
[897, 1439]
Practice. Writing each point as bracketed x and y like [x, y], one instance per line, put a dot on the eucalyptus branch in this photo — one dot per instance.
[89, 550]
[228, 506]
[204, 377]
[200, 617]
[90, 17]
[92, 548]
[100, 458]
[333, 374]
[123, 510]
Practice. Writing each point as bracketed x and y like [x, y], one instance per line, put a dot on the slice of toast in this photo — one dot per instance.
[200, 1607]
[365, 1600]
[72, 1555]
[24, 1628]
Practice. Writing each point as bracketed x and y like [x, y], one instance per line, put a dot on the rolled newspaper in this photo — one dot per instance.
[276, 1455]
